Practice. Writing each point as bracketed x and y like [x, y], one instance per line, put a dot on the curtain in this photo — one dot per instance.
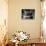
[3, 19]
[44, 21]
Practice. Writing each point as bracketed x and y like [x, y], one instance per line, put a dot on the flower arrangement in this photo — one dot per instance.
[21, 36]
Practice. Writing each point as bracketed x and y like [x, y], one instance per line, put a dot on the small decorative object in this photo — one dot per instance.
[28, 13]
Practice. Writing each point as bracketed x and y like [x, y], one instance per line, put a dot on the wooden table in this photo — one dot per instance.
[33, 42]
[10, 44]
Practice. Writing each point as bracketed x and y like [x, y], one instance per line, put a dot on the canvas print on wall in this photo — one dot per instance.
[28, 13]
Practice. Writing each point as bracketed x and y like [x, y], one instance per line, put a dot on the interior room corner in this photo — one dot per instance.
[22, 22]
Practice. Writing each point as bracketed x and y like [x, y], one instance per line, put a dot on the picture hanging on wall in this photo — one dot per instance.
[28, 13]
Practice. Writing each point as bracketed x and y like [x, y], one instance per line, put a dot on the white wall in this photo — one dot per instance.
[15, 21]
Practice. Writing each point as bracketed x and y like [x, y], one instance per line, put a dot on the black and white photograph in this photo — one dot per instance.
[28, 13]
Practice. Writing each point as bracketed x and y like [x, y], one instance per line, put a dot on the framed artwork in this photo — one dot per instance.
[28, 13]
